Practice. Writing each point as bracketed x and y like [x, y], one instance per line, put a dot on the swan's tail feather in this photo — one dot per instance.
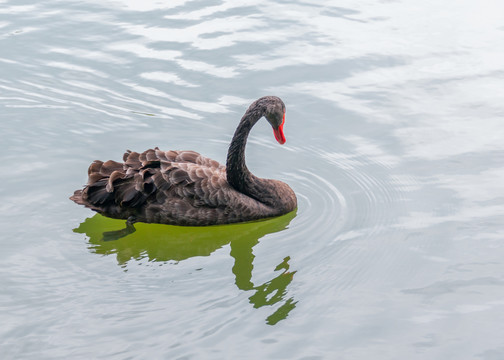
[77, 197]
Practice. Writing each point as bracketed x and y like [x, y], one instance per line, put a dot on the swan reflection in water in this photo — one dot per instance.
[164, 243]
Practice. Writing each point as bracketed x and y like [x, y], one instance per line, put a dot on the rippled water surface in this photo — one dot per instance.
[395, 149]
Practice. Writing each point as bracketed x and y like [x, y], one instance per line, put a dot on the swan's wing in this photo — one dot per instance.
[198, 185]
[154, 177]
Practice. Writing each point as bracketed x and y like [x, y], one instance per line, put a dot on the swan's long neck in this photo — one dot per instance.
[238, 176]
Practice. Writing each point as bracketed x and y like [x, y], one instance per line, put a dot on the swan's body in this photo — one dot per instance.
[185, 188]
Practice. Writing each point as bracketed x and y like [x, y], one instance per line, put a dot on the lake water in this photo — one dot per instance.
[395, 148]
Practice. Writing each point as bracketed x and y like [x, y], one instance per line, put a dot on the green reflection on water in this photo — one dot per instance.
[176, 243]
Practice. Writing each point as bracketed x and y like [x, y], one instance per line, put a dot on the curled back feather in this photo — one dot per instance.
[157, 172]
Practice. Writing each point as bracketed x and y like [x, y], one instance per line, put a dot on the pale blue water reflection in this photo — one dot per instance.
[394, 148]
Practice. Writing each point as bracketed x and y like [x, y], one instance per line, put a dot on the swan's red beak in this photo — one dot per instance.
[279, 134]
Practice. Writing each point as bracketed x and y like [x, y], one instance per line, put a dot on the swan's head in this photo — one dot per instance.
[274, 112]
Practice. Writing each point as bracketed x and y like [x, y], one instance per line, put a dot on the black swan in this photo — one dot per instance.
[185, 188]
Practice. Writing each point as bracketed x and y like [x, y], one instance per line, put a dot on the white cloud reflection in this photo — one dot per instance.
[166, 77]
